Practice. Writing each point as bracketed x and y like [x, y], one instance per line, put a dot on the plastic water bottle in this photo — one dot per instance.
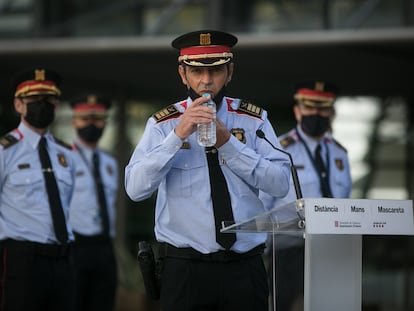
[206, 132]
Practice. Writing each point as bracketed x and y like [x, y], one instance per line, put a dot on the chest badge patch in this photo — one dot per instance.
[339, 164]
[239, 134]
[110, 170]
[62, 160]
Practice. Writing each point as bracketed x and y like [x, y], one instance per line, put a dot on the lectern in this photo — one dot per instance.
[333, 230]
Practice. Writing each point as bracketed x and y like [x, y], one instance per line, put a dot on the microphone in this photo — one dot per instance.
[293, 171]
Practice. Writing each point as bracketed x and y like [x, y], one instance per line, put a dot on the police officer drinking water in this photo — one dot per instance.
[200, 187]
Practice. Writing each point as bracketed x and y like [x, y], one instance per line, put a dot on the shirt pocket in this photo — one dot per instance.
[187, 171]
[65, 183]
[341, 184]
[27, 185]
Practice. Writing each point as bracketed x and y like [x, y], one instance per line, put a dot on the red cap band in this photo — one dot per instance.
[204, 50]
[315, 94]
[86, 107]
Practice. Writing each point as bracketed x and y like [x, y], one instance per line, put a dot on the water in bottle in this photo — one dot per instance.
[206, 132]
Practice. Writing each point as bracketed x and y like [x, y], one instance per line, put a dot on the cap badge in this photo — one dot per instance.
[205, 39]
[319, 86]
[39, 74]
[92, 100]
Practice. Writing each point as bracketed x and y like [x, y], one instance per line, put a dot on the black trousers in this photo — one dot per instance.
[36, 277]
[96, 273]
[192, 284]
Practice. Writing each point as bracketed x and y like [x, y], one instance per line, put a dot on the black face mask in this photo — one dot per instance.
[40, 114]
[90, 133]
[219, 97]
[315, 125]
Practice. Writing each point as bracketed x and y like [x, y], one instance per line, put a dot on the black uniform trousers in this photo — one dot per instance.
[36, 277]
[210, 283]
[96, 273]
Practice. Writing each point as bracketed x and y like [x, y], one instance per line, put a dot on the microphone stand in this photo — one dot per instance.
[294, 173]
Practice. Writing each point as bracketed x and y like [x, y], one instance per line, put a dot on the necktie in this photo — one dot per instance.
[58, 217]
[323, 174]
[220, 197]
[101, 194]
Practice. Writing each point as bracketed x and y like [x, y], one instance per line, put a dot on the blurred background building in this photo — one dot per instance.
[122, 48]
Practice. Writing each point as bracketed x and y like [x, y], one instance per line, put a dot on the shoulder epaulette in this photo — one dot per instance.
[250, 109]
[107, 153]
[165, 113]
[339, 145]
[287, 141]
[63, 144]
[8, 140]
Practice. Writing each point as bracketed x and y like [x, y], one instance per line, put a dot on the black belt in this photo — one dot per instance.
[167, 250]
[40, 249]
[92, 239]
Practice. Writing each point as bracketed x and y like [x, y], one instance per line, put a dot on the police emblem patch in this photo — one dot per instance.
[62, 160]
[109, 169]
[339, 164]
[239, 134]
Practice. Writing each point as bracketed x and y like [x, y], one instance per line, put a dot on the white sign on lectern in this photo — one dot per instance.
[333, 230]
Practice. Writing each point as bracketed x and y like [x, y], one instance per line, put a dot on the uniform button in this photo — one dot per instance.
[27, 181]
[185, 165]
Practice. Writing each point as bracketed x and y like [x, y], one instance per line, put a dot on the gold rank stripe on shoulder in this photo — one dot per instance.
[249, 108]
[287, 141]
[8, 140]
[165, 113]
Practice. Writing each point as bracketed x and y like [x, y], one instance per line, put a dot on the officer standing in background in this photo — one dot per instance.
[323, 170]
[36, 184]
[92, 211]
[322, 163]
[199, 187]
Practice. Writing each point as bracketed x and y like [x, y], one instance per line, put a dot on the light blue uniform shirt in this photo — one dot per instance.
[183, 214]
[24, 204]
[335, 158]
[85, 215]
